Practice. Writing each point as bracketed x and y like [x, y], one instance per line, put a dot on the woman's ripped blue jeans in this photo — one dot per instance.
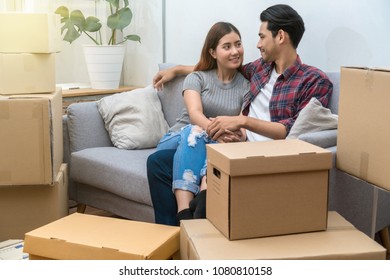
[190, 160]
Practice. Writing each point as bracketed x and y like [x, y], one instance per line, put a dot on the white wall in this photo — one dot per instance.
[141, 61]
[338, 33]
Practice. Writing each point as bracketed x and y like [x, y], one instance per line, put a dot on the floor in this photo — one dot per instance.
[90, 210]
[94, 211]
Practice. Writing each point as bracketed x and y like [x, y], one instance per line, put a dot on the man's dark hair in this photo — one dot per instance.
[283, 17]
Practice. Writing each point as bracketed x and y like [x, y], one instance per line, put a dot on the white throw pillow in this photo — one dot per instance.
[133, 119]
[314, 117]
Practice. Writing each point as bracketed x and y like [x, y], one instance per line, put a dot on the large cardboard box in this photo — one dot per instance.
[267, 188]
[200, 240]
[31, 147]
[89, 237]
[30, 32]
[25, 208]
[26, 73]
[363, 129]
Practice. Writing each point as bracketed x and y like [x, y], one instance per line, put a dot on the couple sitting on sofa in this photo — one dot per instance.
[228, 102]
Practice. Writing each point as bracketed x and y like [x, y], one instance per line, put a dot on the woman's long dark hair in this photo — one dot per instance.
[217, 31]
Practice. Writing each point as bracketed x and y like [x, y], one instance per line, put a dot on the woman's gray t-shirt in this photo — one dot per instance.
[218, 98]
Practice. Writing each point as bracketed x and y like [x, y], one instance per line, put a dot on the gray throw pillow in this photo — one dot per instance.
[134, 119]
[314, 117]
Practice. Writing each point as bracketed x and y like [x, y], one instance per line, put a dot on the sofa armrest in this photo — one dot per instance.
[323, 139]
[86, 127]
[65, 139]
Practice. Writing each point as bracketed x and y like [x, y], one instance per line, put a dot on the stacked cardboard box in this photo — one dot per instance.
[341, 241]
[33, 184]
[269, 200]
[258, 189]
[363, 130]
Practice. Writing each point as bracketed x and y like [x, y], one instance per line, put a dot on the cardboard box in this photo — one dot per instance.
[267, 188]
[30, 33]
[200, 240]
[31, 147]
[81, 236]
[363, 129]
[25, 208]
[26, 73]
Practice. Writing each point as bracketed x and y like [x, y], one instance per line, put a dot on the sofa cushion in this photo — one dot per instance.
[171, 96]
[314, 117]
[122, 172]
[334, 98]
[134, 119]
[86, 127]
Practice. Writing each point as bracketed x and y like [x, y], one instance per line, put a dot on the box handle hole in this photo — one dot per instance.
[217, 173]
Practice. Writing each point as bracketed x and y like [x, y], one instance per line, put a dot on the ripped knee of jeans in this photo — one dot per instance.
[188, 176]
[196, 132]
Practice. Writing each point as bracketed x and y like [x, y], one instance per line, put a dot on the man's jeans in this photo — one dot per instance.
[159, 171]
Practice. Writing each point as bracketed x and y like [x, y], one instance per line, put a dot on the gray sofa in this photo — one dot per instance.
[115, 180]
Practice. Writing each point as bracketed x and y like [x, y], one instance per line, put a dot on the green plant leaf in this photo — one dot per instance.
[77, 18]
[72, 33]
[115, 3]
[62, 11]
[120, 19]
[133, 38]
[92, 24]
[70, 22]
[74, 23]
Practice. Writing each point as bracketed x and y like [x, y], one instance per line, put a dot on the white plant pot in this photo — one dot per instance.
[104, 64]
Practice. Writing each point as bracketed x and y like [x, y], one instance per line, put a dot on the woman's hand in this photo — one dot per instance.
[232, 136]
[222, 125]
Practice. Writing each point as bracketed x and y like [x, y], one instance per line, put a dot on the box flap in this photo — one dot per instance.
[384, 69]
[82, 236]
[267, 157]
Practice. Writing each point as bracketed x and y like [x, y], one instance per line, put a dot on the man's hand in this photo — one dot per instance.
[169, 74]
[232, 136]
[221, 125]
[162, 77]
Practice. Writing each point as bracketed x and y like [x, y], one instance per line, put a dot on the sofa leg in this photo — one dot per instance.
[81, 208]
[384, 235]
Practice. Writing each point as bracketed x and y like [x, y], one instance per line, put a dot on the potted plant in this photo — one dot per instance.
[76, 24]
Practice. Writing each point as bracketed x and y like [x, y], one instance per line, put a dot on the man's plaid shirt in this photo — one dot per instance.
[292, 90]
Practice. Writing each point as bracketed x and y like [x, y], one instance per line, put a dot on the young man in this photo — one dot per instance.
[281, 86]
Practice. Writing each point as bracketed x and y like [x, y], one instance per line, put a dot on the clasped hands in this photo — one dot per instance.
[226, 129]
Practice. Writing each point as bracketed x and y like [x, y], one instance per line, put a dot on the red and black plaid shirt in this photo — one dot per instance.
[292, 90]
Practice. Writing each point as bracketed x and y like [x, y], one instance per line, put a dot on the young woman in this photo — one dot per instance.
[215, 88]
